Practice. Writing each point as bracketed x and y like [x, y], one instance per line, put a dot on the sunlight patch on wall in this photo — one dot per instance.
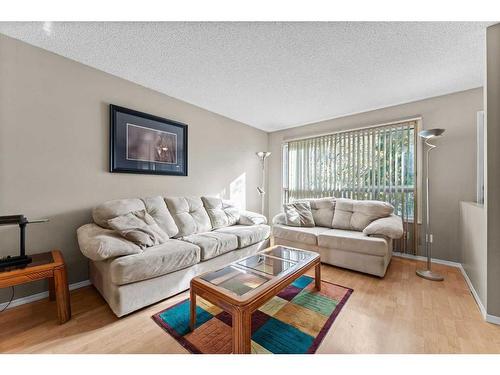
[237, 191]
[222, 194]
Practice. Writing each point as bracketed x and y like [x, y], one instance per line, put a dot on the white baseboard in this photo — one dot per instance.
[479, 303]
[39, 296]
[424, 259]
[487, 317]
[492, 319]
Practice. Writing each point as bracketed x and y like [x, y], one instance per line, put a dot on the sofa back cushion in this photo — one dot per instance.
[189, 215]
[222, 213]
[111, 209]
[356, 215]
[140, 228]
[298, 214]
[157, 208]
[322, 210]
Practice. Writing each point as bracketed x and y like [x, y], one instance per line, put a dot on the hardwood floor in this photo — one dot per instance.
[400, 313]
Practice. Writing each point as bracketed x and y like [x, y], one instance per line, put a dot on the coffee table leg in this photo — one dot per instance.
[317, 278]
[52, 289]
[62, 295]
[242, 327]
[192, 308]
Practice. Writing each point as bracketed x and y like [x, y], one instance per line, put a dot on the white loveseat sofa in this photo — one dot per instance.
[357, 235]
[203, 234]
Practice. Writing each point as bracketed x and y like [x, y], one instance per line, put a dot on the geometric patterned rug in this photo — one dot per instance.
[293, 322]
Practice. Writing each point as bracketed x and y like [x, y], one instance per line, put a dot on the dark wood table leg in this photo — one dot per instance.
[192, 308]
[317, 278]
[242, 328]
[52, 289]
[62, 294]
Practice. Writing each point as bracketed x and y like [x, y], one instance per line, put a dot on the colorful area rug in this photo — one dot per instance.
[293, 322]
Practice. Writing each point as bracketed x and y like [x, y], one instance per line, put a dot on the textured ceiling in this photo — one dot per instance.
[276, 75]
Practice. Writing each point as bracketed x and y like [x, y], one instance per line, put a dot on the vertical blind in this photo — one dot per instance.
[376, 163]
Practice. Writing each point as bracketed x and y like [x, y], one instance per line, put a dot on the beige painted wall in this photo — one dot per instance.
[472, 236]
[453, 174]
[492, 182]
[54, 150]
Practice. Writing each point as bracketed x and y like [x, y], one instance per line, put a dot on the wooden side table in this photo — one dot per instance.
[50, 266]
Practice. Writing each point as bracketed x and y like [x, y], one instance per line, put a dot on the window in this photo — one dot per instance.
[377, 163]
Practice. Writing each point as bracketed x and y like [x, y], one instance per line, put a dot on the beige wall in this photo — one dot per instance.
[453, 174]
[54, 124]
[472, 236]
[492, 183]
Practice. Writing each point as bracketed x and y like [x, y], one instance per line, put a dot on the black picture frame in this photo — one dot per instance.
[134, 134]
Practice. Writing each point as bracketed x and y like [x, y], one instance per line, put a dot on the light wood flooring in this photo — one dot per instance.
[400, 313]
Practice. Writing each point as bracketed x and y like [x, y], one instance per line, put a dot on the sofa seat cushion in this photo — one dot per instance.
[247, 234]
[213, 244]
[298, 234]
[349, 240]
[154, 261]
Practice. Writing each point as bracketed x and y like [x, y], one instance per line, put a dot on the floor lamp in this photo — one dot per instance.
[428, 274]
[262, 155]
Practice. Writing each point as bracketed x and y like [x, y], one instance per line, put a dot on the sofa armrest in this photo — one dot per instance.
[391, 227]
[98, 243]
[251, 218]
[279, 219]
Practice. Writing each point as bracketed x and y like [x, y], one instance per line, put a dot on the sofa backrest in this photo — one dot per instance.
[111, 209]
[189, 215]
[177, 216]
[357, 214]
[157, 208]
[322, 210]
[222, 213]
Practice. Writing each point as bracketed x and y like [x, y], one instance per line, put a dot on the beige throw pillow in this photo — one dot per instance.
[298, 214]
[140, 228]
[322, 210]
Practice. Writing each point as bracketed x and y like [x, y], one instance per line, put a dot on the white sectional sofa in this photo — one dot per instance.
[357, 235]
[203, 234]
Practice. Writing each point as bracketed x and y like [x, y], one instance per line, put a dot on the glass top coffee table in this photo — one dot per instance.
[243, 286]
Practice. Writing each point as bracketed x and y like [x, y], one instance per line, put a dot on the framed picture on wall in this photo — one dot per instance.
[143, 143]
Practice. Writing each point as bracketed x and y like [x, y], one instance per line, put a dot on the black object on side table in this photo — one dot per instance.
[22, 259]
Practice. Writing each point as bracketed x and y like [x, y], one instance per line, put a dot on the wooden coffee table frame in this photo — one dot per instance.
[242, 307]
[51, 267]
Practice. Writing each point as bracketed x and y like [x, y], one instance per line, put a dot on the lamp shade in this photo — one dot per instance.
[263, 154]
[431, 133]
